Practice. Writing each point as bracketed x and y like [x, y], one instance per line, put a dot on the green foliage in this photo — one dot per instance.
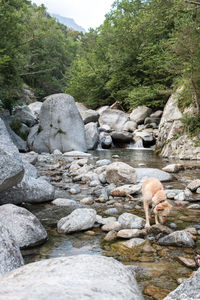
[16, 125]
[185, 98]
[192, 125]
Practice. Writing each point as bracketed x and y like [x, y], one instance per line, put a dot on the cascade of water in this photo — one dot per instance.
[137, 145]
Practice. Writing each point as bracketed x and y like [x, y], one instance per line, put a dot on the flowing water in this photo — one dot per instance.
[159, 271]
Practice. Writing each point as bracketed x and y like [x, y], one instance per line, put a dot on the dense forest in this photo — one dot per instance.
[139, 55]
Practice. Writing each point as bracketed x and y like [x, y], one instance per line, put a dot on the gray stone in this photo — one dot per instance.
[103, 162]
[194, 206]
[35, 108]
[58, 113]
[64, 202]
[127, 189]
[110, 236]
[140, 114]
[194, 185]
[131, 233]
[85, 277]
[102, 221]
[87, 201]
[130, 126]
[32, 135]
[156, 114]
[11, 166]
[92, 135]
[120, 173]
[105, 140]
[173, 168]
[178, 238]
[88, 115]
[111, 211]
[23, 225]
[10, 255]
[115, 118]
[30, 157]
[80, 219]
[133, 242]
[77, 154]
[122, 136]
[151, 120]
[116, 226]
[16, 139]
[25, 115]
[130, 221]
[151, 172]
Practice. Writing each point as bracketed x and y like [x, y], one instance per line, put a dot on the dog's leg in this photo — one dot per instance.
[156, 219]
[146, 210]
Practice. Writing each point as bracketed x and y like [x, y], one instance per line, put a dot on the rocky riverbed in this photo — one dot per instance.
[81, 186]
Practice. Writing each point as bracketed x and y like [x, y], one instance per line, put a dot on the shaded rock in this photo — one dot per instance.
[92, 135]
[121, 136]
[17, 140]
[130, 126]
[87, 201]
[120, 173]
[80, 219]
[133, 242]
[10, 255]
[178, 238]
[131, 233]
[30, 157]
[156, 292]
[116, 119]
[111, 211]
[64, 202]
[88, 276]
[151, 172]
[58, 113]
[105, 140]
[139, 114]
[11, 166]
[88, 115]
[156, 114]
[194, 185]
[32, 135]
[101, 220]
[25, 115]
[159, 228]
[23, 225]
[147, 138]
[130, 221]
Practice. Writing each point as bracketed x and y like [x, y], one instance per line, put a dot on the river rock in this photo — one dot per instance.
[80, 219]
[130, 221]
[178, 238]
[32, 135]
[16, 139]
[116, 226]
[188, 262]
[24, 226]
[58, 113]
[122, 136]
[188, 290]
[82, 277]
[120, 173]
[105, 140]
[92, 135]
[131, 233]
[103, 162]
[173, 168]
[11, 166]
[130, 126]
[139, 114]
[30, 157]
[133, 242]
[127, 189]
[115, 118]
[194, 185]
[157, 114]
[10, 255]
[25, 115]
[151, 172]
[64, 202]
[30, 190]
[88, 115]
[35, 108]
[110, 236]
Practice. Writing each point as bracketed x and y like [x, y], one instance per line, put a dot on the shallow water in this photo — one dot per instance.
[159, 266]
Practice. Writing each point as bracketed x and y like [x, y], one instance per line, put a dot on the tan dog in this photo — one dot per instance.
[155, 199]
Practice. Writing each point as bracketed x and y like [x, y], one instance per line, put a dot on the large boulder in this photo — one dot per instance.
[11, 166]
[79, 219]
[131, 221]
[115, 118]
[92, 135]
[35, 108]
[85, 277]
[23, 225]
[120, 173]
[179, 238]
[10, 255]
[88, 115]
[25, 115]
[61, 126]
[188, 290]
[139, 114]
[142, 173]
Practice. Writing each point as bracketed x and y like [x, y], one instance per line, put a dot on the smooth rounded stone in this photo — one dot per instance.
[25, 115]
[35, 108]
[80, 219]
[151, 172]
[180, 197]
[92, 135]
[173, 168]
[178, 238]
[30, 190]
[130, 221]
[139, 114]
[111, 211]
[115, 118]
[11, 166]
[157, 114]
[64, 202]
[23, 225]
[109, 226]
[133, 242]
[10, 255]
[151, 120]
[171, 194]
[30, 157]
[194, 206]
[105, 128]
[130, 126]
[159, 228]
[75, 190]
[172, 225]
[120, 173]
[103, 221]
[131, 233]
[128, 189]
[122, 136]
[194, 185]
[57, 152]
[188, 289]
[105, 140]
[84, 277]
[58, 113]
[87, 201]
[110, 236]
[76, 154]
[198, 191]
[102, 178]
[88, 115]
[94, 183]
[103, 162]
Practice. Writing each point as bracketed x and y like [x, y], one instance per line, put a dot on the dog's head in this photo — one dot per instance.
[163, 210]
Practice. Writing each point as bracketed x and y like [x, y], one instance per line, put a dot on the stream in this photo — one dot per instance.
[158, 270]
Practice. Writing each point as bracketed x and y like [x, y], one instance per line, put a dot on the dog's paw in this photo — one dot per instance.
[147, 227]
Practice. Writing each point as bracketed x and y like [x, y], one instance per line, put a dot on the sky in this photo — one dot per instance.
[86, 13]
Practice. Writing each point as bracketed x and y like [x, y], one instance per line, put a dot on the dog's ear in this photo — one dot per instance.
[160, 207]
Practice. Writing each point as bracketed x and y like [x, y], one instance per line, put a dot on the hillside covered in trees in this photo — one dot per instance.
[142, 51]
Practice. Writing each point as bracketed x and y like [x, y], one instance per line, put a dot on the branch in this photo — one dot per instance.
[192, 2]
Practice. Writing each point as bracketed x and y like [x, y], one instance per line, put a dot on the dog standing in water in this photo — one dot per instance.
[154, 198]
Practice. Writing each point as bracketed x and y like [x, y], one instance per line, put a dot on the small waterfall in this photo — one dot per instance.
[137, 145]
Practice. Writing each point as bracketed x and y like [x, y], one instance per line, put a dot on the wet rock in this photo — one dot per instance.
[188, 262]
[194, 185]
[131, 233]
[87, 201]
[130, 221]
[139, 114]
[102, 221]
[156, 292]
[130, 126]
[109, 226]
[120, 173]
[23, 225]
[105, 140]
[92, 135]
[173, 168]
[178, 238]
[10, 255]
[194, 206]
[80, 219]
[159, 228]
[111, 211]
[64, 202]
[121, 136]
[151, 172]
[88, 276]
[128, 189]
[110, 236]
[133, 242]
[75, 190]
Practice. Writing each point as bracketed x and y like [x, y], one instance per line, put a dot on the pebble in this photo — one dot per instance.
[110, 236]
[111, 211]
